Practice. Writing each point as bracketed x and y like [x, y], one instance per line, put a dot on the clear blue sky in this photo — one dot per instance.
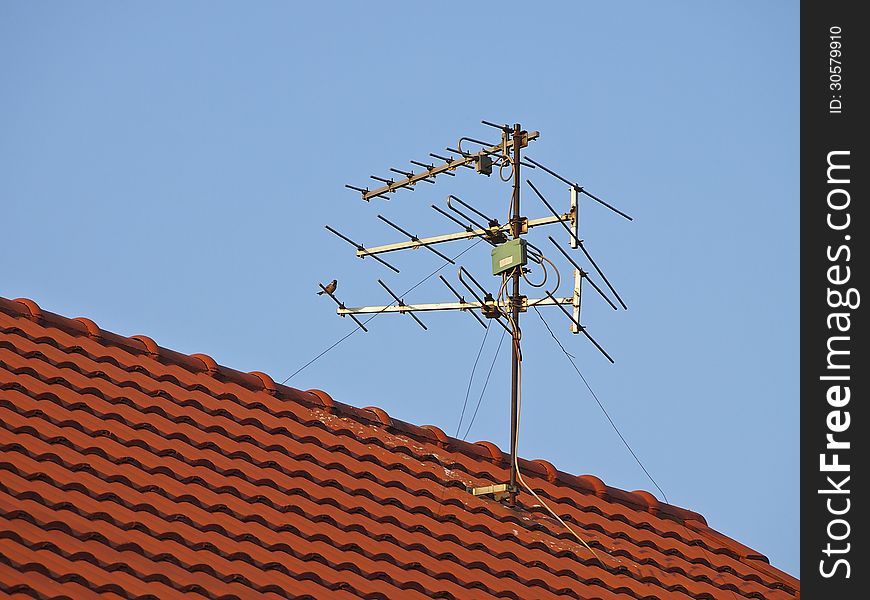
[168, 170]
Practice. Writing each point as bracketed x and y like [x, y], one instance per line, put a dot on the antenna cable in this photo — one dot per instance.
[523, 481]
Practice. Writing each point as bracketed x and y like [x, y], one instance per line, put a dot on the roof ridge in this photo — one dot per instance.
[17, 447]
[258, 381]
[48, 349]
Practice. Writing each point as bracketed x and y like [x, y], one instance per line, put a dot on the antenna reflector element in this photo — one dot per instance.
[578, 290]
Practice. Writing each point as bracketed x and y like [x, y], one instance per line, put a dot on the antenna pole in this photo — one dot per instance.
[508, 262]
[516, 300]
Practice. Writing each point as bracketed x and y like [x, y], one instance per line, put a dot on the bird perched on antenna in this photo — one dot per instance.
[329, 288]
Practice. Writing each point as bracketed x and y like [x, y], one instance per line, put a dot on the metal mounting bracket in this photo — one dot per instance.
[499, 491]
[523, 303]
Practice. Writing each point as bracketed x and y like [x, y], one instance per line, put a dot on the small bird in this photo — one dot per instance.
[329, 288]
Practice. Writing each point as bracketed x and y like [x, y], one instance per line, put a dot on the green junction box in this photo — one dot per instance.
[508, 255]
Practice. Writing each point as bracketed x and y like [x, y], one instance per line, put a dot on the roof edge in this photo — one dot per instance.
[746, 555]
[256, 381]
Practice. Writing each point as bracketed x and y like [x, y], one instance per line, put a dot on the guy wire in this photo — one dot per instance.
[601, 406]
[470, 380]
[357, 328]
[485, 383]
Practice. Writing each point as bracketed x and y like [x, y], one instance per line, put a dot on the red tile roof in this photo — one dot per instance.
[130, 470]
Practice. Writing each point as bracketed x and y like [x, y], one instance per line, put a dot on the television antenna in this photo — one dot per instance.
[511, 253]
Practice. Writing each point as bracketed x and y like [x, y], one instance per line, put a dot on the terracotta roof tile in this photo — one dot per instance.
[131, 470]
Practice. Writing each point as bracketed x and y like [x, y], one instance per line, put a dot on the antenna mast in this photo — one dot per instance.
[509, 256]
[516, 229]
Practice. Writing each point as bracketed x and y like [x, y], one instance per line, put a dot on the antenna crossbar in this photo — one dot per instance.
[400, 304]
[462, 235]
[429, 166]
[414, 239]
[462, 300]
[408, 308]
[464, 160]
[360, 248]
[341, 306]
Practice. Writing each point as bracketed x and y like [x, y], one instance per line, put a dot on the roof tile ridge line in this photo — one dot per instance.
[124, 421]
[135, 571]
[395, 560]
[747, 555]
[382, 413]
[139, 550]
[694, 578]
[124, 503]
[683, 573]
[638, 500]
[605, 533]
[518, 579]
[44, 571]
[439, 430]
[200, 363]
[149, 555]
[256, 381]
[144, 345]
